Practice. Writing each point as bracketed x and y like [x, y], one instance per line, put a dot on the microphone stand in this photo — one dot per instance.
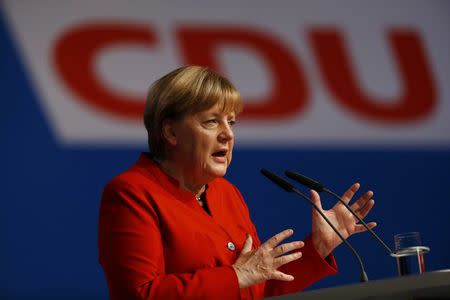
[291, 189]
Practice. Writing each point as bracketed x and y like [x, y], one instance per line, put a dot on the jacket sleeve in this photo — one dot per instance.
[132, 255]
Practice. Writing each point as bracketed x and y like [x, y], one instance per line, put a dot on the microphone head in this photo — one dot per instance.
[308, 182]
[278, 180]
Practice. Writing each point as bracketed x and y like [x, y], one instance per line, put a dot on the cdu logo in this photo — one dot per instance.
[302, 83]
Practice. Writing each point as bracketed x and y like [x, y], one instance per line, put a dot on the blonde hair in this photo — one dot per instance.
[186, 90]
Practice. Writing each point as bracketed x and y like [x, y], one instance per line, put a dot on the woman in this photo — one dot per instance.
[171, 227]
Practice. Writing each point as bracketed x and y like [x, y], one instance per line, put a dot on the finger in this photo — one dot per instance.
[282, 260]
[366, 209]
[348, 195]
[316, 199]
[284, 248]
[247, 244]
[276, 239]
[277, 275]
[360, 228]
[362, 201]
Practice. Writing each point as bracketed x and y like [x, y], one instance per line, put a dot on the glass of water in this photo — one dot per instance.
[409, 253]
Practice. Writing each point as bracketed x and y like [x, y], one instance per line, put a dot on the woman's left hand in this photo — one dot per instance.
[323, 237]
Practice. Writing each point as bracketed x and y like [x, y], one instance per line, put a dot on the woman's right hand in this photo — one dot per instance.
[255, 266]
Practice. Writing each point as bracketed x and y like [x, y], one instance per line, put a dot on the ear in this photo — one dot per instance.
[168, 131]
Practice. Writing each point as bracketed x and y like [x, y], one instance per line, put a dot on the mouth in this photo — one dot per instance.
[220, 155]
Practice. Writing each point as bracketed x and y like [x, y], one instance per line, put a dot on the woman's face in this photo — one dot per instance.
[203, 144]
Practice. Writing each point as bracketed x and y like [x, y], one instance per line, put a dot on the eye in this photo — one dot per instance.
[211, 122]
[232, 122]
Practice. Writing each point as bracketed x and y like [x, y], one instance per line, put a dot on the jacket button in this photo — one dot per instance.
[231, 246]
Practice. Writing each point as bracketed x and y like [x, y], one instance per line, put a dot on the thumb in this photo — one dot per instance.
[316, 199]
[248, 244]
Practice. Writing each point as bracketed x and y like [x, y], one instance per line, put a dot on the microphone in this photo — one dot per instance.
[291, 189]
[318, 187]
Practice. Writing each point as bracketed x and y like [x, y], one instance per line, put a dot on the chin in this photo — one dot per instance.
[217, 172]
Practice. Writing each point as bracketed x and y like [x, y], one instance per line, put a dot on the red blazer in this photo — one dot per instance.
[156, 242]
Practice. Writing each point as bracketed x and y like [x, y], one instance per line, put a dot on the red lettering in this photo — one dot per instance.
[75, 55]
[76, 51]
[419, 93]
[289, 95]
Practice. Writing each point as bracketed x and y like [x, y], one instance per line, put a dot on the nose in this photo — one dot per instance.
[226, 133]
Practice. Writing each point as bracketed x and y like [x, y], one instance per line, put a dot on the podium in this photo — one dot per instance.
[432, 285]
